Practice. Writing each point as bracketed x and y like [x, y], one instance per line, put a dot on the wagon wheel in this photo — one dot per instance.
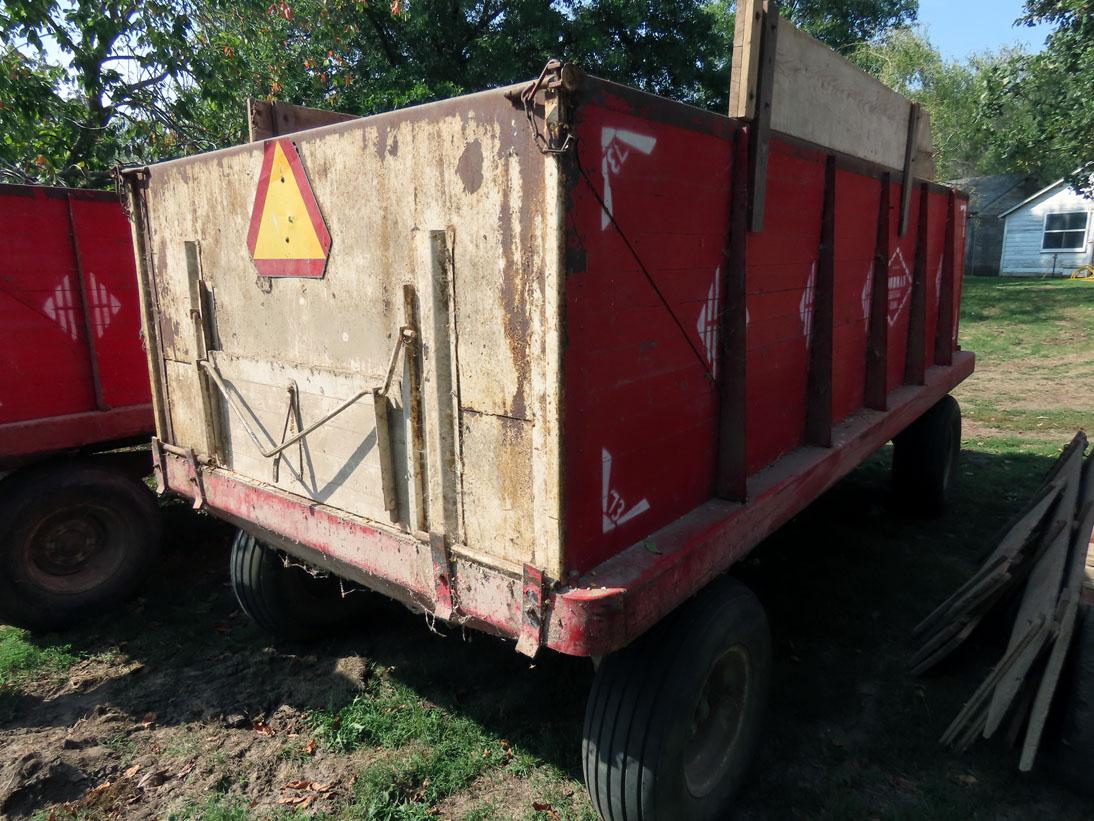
[673, 719]
[73, 538]
[925, 458]
[285, 599]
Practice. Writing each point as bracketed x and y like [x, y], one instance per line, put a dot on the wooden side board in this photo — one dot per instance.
[825, 99]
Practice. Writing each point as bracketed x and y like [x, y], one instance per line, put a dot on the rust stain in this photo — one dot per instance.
[470, 167]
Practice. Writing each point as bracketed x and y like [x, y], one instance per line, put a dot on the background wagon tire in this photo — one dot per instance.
[73, 538]
[1075, 752]
[286, 600]
[925, 458]
[673, 720]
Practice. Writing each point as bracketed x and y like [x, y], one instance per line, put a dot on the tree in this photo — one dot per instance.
[845, 24]
[1051, 91]
[113, 84]
[140, 80]
[952, 93]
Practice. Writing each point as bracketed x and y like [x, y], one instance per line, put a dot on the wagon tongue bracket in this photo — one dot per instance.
[557, 77]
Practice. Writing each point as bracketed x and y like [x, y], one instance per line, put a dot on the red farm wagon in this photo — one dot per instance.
[78, 528]
[547, 360]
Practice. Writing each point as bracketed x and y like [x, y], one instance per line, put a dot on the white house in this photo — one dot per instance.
[1048, 234]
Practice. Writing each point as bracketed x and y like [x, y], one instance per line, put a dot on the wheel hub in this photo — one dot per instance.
[716, 721]
[66, 544]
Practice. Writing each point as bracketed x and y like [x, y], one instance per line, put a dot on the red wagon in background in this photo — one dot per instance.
[547, 360]
[77, 527]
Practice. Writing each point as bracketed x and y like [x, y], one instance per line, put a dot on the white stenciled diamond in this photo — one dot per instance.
[900, 285]
[62, 306]
[707, 324]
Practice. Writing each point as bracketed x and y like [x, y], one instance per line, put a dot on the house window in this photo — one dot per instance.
[1065, 232]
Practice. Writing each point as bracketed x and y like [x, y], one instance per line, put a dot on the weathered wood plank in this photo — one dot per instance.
[944, 335]
[1041, 595]
[271, 119]
[825, 99]
[1080, 540]
[761, 130]
[745, 63]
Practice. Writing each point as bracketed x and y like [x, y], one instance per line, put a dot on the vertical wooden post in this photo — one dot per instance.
[909, 155]
[915, 362]
[818, 408]
[732, 469]
[761, 131]
[877, 341]
[85, 310]
[943, 337]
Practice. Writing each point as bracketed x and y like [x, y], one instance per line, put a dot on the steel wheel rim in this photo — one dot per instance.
[716, 721]
[75, 549]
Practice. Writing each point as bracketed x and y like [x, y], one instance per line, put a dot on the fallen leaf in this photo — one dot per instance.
[148, 720]
[651, 547]
[262, 728]
[309, 748]
[185, 771]
[132, 771]
[543, 806]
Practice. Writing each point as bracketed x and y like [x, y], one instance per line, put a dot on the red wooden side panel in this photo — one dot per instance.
[110, 280]
[782, 264]
[640, 405]
[44, 366]
[858, 198]
[901, 268]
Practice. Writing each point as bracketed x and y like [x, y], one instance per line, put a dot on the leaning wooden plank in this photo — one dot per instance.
[1047, 688]
[948, 608]
[744, 68]
[1078, 442]
[970, 623]
[863, 117]
[936, 640]
[1041, 595]
[269, 119]
[1080, 540]
[1015, 540]
[980, 697]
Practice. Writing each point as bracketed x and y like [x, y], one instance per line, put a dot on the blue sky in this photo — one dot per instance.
[962, 27]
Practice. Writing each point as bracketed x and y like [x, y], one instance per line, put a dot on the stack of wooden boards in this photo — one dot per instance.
[1046, 548]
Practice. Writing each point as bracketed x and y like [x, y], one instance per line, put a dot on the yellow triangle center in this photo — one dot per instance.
[285, 230]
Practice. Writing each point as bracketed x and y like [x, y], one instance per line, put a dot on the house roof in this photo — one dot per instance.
[1033, 197]
[991, 192]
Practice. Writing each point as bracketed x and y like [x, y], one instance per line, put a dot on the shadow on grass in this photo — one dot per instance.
[844, 583]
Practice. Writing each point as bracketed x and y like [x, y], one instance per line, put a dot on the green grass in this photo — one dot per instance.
[24, 657]
[1034, 340]
[435, 752]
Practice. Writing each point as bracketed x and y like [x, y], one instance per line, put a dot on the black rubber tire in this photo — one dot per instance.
[925, 458]
[74, 538]
[1075, 752]
[286, 600]
[643, 710]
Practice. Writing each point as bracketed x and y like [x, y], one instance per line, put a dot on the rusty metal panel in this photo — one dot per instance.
[450, 199]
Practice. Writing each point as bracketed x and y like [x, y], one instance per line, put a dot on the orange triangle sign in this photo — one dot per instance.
[287, 236]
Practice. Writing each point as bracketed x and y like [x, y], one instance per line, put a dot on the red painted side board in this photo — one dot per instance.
[640, 412]
[46, 357]
[640, 405]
